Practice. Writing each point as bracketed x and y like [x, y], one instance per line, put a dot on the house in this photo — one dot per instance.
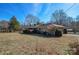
[4, 26]
[49, 26]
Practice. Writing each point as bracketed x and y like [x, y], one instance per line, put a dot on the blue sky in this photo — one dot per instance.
[41, 10]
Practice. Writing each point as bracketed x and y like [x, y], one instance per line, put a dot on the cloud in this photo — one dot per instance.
[48, 8]
[47, 12]
[37, 7]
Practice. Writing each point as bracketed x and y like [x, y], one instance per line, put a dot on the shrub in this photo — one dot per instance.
[25, 31]
[58, 33]
[65, 31]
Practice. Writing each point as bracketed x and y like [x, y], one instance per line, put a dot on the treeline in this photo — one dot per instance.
[60, 17]
[57, 17]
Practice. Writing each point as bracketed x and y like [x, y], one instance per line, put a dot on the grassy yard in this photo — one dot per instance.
[23, 44]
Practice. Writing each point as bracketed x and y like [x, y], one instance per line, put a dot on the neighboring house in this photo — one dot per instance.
[4, 26]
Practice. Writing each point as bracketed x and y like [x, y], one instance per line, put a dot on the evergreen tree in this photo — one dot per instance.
[14, 24]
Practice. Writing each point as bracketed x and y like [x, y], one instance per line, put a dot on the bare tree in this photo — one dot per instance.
[69, 22]
[31, 20]
[59, 16]
[77, 23]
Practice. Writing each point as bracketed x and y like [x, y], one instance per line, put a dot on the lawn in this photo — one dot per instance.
[24, 44]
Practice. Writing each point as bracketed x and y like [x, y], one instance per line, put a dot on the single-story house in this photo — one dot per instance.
[4, 26]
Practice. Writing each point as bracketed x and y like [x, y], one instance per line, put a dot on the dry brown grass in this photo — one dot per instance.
[19, 44]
